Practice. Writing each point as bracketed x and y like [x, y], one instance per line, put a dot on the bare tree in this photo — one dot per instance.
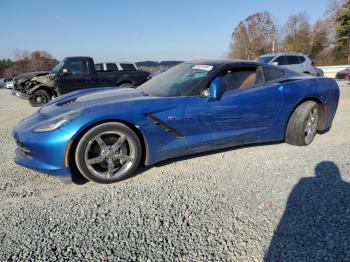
[253, 36]
[28, 62]
[327, 41]
[297, 34]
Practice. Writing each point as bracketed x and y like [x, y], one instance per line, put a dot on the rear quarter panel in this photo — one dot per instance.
[322, 90]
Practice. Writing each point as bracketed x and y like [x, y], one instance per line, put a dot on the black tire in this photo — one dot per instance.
[39, 98]
[296, 133]
[84, 147]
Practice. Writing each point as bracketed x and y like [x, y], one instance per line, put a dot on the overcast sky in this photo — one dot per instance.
[134, 30]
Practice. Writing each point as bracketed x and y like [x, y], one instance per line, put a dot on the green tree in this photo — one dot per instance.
[343, 32]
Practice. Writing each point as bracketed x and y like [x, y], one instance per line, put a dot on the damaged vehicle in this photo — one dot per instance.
[72, 74]
[104, 134]
[20, 81]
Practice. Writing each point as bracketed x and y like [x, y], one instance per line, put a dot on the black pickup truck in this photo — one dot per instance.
[71, 74]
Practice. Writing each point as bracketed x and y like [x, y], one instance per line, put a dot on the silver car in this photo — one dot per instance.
[294, 61]
[10, 84]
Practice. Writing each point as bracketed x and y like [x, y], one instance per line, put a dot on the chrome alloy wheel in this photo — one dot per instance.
[110, 154]
[311, 125]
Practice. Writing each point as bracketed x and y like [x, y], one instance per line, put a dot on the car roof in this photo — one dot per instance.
[80, 57]
[220, 62]
[286, 53]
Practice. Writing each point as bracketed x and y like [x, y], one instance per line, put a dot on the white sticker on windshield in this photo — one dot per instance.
[203, 67]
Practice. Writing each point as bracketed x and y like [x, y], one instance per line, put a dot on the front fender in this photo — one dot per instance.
[77, 128]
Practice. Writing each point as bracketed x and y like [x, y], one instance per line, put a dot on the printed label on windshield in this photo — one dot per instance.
[203, 67]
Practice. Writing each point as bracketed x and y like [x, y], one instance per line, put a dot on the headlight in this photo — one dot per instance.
[57, 122]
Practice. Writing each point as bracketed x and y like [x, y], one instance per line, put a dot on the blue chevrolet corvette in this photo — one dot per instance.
[106, 133]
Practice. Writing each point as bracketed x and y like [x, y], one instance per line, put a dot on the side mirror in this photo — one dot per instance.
[275, 63]
[64, 71]
[216, 88]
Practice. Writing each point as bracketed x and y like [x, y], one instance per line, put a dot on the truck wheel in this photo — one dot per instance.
[125, 85]
[39, 98]
[302, 125]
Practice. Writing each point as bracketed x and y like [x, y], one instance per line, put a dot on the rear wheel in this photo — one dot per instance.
[39, 98]
[108, 153]
[302, 125]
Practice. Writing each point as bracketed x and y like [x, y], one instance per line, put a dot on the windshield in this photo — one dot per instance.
[58, 67]
[177, 81]
[264, 59]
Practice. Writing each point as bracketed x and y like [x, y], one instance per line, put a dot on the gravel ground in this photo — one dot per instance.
[274, 202]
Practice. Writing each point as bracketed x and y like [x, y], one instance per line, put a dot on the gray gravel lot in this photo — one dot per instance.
[277, 202]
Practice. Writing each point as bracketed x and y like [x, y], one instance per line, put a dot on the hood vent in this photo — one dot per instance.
[66, 102]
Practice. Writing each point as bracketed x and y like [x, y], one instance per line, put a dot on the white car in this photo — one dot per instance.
[298, 62]
[10, 84]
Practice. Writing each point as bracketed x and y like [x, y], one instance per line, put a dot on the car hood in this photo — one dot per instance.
[89, 99]
[26, 76]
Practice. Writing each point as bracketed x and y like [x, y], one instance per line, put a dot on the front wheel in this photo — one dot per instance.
[302, 125]
[39, 98]
[108, 153]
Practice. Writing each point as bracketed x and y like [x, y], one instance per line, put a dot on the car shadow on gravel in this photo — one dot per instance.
[316, 222]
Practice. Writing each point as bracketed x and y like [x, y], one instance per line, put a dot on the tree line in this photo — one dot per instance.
[27, 62]
[327, 41]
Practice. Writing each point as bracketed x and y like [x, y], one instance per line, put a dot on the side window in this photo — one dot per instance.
[111, 67]
[129, 67]
[78, 67]
[242, 78]
[99, 67]
[292, 60]
[272, 74]
[281, 60]
[301, 59]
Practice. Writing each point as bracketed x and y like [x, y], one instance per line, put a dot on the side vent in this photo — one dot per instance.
[66, 102]
[164, 126]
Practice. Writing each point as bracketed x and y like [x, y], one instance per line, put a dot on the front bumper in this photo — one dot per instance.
[20, 94]
[42, 152]
[40, 166]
